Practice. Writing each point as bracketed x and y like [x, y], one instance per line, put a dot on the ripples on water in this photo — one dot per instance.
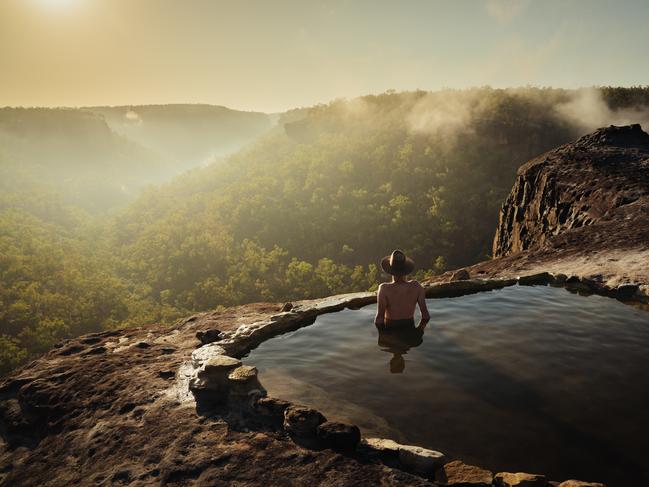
[529, 379]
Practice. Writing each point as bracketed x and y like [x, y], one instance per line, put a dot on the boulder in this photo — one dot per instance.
[412, 458]
[540, 279]
[272, 410]
[287, 307]
[460, 275]
[206, 352]
[580, 483]
[339, 436]
[519, 479]
[243, 382]
[301, 421]
[460, 474]
[208, 336]
[214, 373]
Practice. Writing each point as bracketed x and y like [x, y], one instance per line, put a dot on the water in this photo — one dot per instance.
[529, 379]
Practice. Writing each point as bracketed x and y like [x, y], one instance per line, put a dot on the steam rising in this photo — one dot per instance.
[587, 110]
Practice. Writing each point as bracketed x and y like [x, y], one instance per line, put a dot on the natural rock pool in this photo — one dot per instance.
[533, 379]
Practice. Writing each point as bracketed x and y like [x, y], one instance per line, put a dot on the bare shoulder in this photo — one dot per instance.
[416, 284]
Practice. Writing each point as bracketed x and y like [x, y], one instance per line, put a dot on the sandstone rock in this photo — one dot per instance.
[244, 373]
[412, 458]
[302, 421]
[272, 410]
[559, 279]
[214, 373]
[208, 336]
[204, 353]
[460, 474]
[339, 436]
[287, 307]
[561, 193]
[519, 479]
[541, 278]
[460, 275]
[580, 483]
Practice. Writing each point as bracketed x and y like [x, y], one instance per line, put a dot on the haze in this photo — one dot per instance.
[271, 56]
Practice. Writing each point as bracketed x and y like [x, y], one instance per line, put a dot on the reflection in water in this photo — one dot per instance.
[398, 341]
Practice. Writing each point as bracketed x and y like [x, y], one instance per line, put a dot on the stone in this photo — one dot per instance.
[339, 436]
[412, 458]
[208, 336]
[214, 373]
[580, 483]
[287, 307]
[204, 353]
[460, 275]
[460, 474]
[243, 382]
[272, 410]
[519, 479]
[302, 421]
[244, 373]
[540, 279]
[559, 279]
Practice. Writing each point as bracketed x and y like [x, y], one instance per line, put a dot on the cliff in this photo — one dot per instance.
[600, 181]
[581, 209]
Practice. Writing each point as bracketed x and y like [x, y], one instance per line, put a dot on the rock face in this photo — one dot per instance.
[599, 181]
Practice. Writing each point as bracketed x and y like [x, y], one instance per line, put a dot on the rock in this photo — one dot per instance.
[559, 279]
[244, 373]
[412, 458]
[339, 436]
[287, 307]
[540, 279]
[214, 373]
[208, 336]
[302, 421]
[580, 483]
[272, 410]
[626, 291]
[519, 479]
[204, 353]
[460, 275]
[460, 474]
[243, 382]
[592, 182]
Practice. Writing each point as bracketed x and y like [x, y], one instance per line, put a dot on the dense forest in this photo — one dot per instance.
[305, 211]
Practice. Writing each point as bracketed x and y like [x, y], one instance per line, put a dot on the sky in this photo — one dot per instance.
[274, 55]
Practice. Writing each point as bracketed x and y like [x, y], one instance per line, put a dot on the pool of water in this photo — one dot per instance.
[532, 379]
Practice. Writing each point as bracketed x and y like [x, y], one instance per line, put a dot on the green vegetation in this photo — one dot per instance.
[307, 211]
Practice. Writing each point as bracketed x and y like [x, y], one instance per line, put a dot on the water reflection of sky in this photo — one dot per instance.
[523, 378]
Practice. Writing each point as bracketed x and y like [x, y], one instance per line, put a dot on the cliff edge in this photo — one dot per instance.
[580, 209]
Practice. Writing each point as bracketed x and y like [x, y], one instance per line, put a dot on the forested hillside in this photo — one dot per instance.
[306, 211]
[100, 158]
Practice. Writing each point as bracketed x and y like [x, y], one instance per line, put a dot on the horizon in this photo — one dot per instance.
[270, 58]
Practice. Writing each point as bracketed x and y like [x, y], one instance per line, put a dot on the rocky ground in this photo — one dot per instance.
[166, 406]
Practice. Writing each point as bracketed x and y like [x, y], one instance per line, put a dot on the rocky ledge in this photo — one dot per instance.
[175, 406]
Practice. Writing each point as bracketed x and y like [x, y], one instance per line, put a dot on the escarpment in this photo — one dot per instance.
[599, 181]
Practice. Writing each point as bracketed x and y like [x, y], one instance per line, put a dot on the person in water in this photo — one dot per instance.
[397, 299]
